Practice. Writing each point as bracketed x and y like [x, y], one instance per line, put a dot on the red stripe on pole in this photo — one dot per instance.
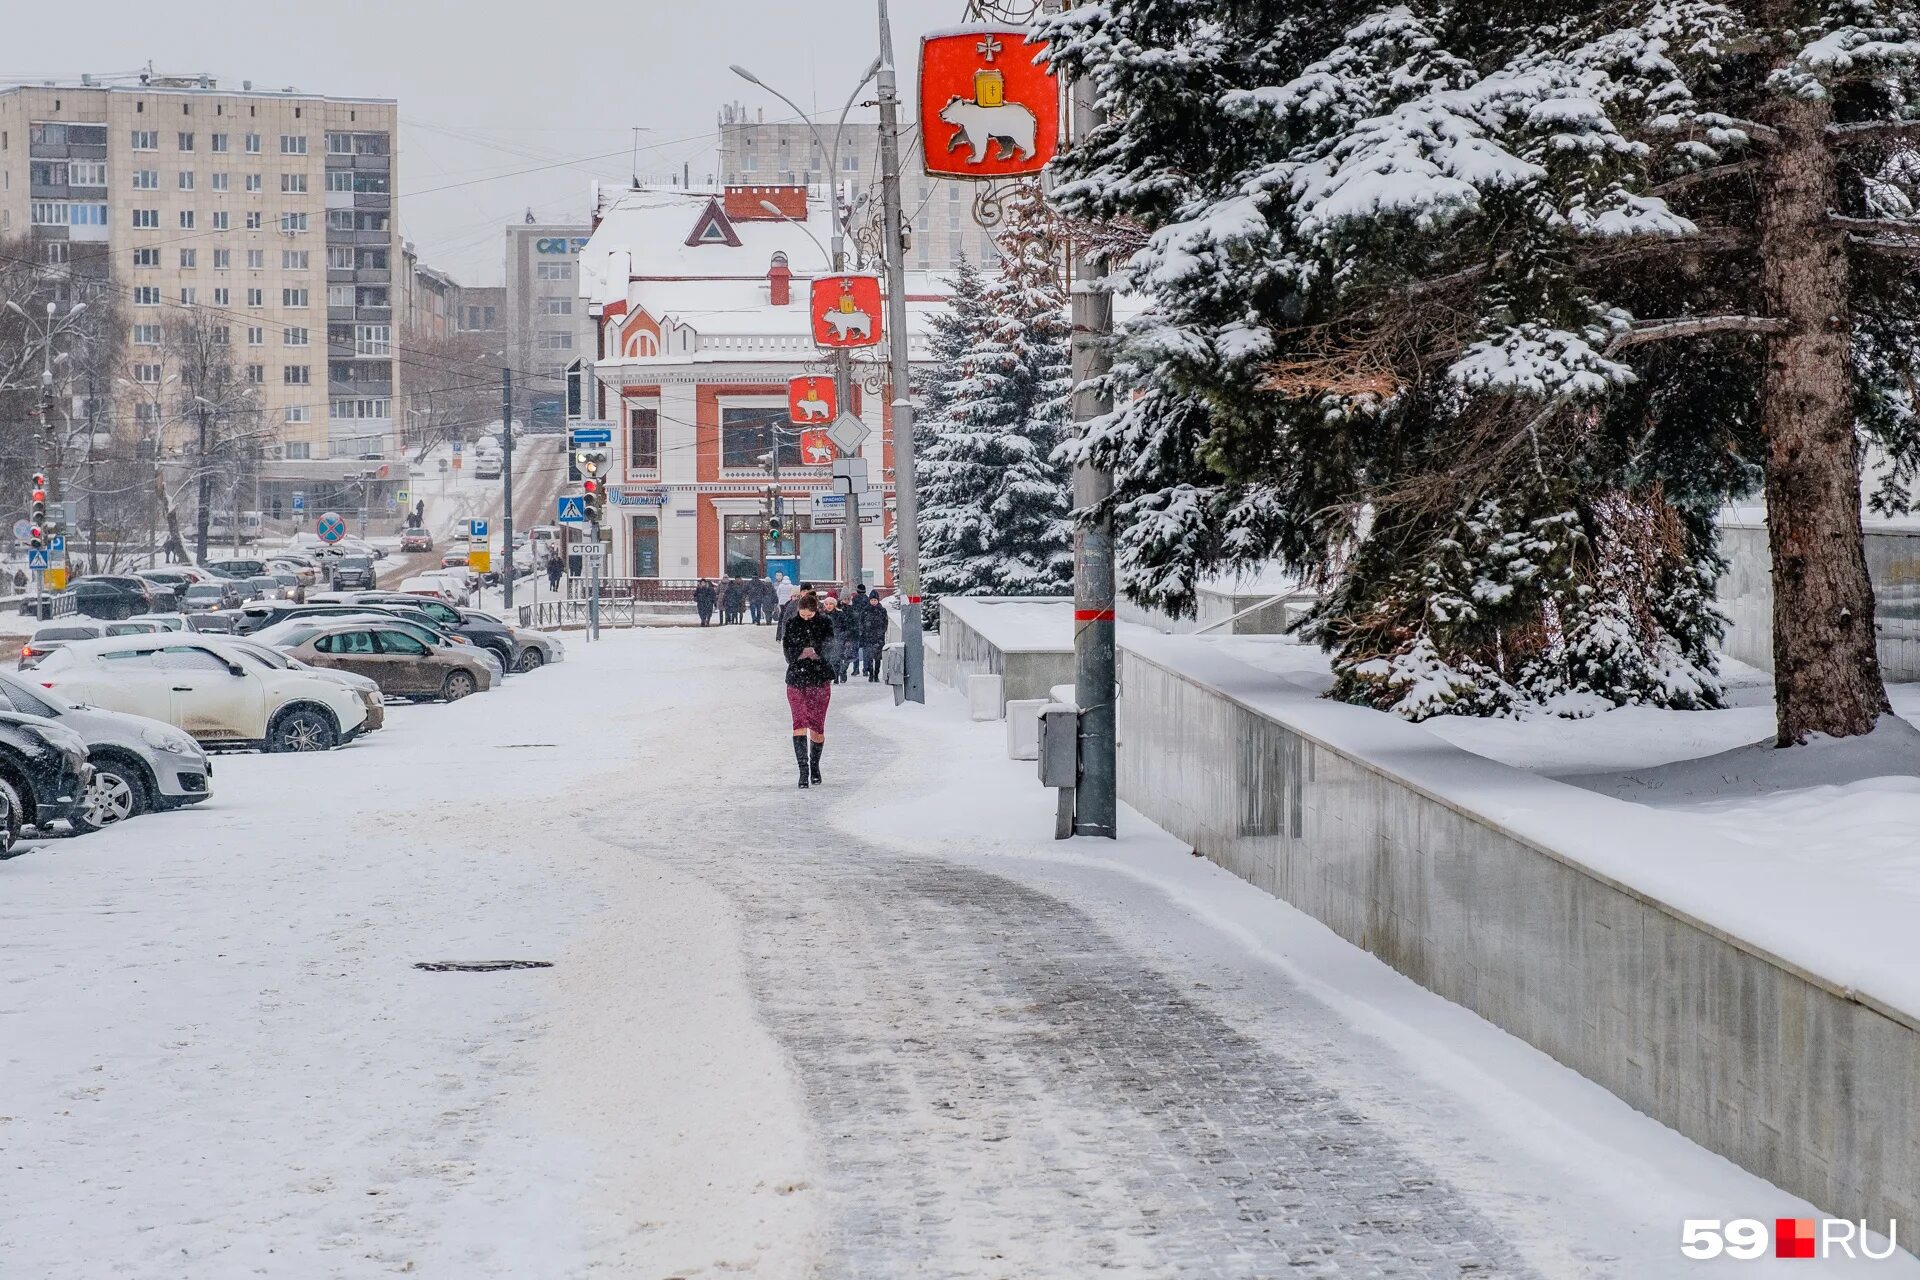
[1093, 615]
[913, 599]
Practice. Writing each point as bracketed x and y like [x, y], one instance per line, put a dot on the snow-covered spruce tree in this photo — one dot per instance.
[954, 330]
[995, 508]
[1397, 253]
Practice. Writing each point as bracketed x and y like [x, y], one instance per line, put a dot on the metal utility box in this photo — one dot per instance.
[1059, 746]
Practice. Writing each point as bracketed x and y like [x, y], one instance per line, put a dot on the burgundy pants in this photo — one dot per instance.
[809, 706]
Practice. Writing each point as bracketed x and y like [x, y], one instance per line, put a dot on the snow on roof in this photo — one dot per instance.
[651, 225]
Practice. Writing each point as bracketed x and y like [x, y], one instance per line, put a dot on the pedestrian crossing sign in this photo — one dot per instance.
[572, 509]
[37, 558]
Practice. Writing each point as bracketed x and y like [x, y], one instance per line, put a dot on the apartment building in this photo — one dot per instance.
[269, 214]
[547, 325]
[939, 211]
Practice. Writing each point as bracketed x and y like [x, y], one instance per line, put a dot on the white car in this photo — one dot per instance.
[209, 687]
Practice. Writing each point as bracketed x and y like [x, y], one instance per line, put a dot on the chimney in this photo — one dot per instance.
[780, 282]
[749, 204]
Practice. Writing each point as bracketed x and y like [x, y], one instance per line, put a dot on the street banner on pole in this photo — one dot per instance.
[816, 449]
[846, 311]
[989, 106]
[812, 399]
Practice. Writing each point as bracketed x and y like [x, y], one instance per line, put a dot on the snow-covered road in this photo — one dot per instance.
[883, 1030]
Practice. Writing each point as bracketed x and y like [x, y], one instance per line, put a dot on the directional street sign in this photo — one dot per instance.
[477, 530]
[592, 435]
[848, 433]
[572, 509]
[831, 508]
[37, 558]
[331, 527]
[57, 544]
[299, 502]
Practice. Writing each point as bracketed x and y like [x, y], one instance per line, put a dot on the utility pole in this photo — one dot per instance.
[506, 479]
[1094, 686]
[843, 394]
[202, 518]
[906, 495]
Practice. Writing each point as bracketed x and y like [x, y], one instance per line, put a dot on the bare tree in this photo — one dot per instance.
[218, 408]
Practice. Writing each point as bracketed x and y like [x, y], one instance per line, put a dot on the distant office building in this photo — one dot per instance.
[939, 211]
[271, 215]
[547, 324]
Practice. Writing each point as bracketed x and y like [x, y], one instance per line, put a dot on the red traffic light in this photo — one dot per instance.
[591, 485]
[39, 480]
[39, 495]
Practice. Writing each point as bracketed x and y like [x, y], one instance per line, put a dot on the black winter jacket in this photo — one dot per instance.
[814, 633]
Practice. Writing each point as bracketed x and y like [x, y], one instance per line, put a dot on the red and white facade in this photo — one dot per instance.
[700, 300]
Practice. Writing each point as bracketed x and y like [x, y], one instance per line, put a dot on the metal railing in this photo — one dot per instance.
[557, 615]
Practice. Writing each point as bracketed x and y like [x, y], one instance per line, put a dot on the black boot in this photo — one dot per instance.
[800, 757]
[815, 761]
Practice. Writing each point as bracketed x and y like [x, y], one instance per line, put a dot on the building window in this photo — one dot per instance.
[299, 450]
[222, 220]
[189, 259]
[299, 413]
[371, 296]
[295, 259]
[293, 184]
[370, 258]
[752, 162]
[186, 142]
[294, 298]
[559, 306]
[339, 257]
[223, 297]
[339, 219]
[340, 180]
[189, 297]
[374, 340]
[146, 140]
[370, 184]
[256, 259]
[146, 257]
[146, 415]
[252, 143]
[217, 142]
[53, 213]
[146, 179]
[339, 295]
[256, 373]
[553, 271]
[556, 340]
[643, 439]
[339, 144]
[148, 374]
[646, 546]
[146, 335]
[254, 220]
[220, 181]
[293, 144]
[747, 435]
[294, 336]
[186, 219]
[256, 335]
[186, 179]
[296, 375]
[222, 335]
[256, 297]
[87, 173]
[293, 222]
[222, 259]
[146, 295]
[252, 182]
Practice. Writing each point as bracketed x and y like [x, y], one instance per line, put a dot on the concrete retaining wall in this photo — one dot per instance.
[972, 644]
[1773, 1068]
[1745, 595]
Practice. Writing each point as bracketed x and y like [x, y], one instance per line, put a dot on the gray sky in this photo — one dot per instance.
[488, 87]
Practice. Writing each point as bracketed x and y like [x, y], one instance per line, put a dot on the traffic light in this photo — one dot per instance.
[592, 485]
[38, 518]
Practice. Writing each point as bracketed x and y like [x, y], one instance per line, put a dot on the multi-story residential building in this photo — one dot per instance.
[426, 302]
[547, 325]
[703, 306]
[939, 210]
[269, 215]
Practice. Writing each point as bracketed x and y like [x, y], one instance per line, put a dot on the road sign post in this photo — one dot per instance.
[332, 527]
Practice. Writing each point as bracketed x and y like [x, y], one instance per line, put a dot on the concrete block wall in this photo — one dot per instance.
[966, 649]
[1776, 1069]
[1745, 595]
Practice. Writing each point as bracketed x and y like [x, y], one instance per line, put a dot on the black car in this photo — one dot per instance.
[43, 773]
[211, 606]
[111, 597]
[350, 573]
[239, 569]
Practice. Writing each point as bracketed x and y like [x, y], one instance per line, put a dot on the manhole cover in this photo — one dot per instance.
[479, 966]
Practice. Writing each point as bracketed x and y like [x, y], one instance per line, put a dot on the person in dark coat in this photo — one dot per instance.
[809, 636]
[555, 567]
[769, 600]
[787, 612]
[750, 591]
[873, 635]
[703, 601]
[845, 638]
[730, 602]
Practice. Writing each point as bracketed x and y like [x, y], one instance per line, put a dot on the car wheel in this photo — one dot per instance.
[303, 729]
[9, 829]
[531, 660]
[116, 793]
[16, 812]
[459, 685]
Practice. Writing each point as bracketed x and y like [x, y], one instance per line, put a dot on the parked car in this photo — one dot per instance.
[167, 587]
[303, 571]
[397, 660]
[43, 773]
[351, 573]
[210, 606]
[479, 628]
[535, 649]
[139, 765]
[455, 559]
[416, 540]
[51, 635]
[202, 685]
[268, 587]
[238, 569]
[366, 690]
[152, 622]
[111, 596]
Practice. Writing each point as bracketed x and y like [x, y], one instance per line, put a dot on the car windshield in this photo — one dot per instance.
[205, 591]
[66, 633]
[355, 562]
[263, 657]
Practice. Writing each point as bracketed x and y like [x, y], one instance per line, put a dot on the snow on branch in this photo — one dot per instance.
[1646, 331]
[1873, 131]
[1712, 173]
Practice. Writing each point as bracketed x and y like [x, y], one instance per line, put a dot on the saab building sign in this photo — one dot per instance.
[559, 244]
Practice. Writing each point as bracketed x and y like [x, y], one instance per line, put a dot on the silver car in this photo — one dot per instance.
[139, 765]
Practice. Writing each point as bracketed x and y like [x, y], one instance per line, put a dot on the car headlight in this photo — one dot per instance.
[162, 740]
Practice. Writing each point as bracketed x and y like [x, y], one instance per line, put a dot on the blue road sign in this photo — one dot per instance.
[573, 510]
[332, 528]
[57, 544]
[459, 446]
[476, 529]
[299, 502]
[37, 559]
[592, 435]
[22, 529]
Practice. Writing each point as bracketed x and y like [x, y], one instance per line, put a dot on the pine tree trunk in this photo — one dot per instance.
[1826, 669]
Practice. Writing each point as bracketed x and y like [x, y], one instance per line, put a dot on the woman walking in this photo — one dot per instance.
[809, 682]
